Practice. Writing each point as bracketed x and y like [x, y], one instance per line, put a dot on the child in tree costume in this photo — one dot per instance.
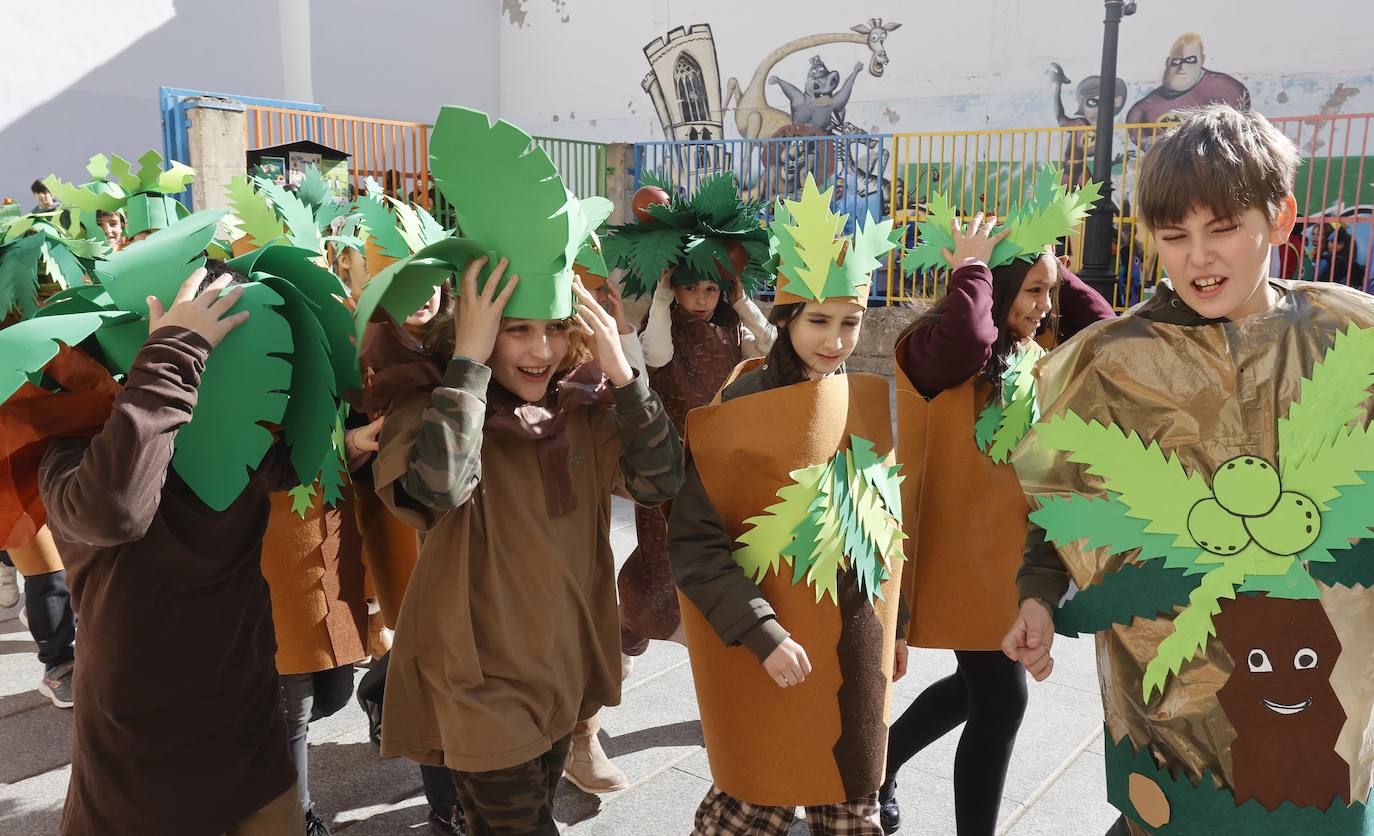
[704, 259]
[508, 637]
[965, 396]
[159, 510]
[146, 197]
[794, 463]
[1203, 467]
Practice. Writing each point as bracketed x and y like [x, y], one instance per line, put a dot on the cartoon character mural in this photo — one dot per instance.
[1081, 145]
[1187, 83]
[822, 104]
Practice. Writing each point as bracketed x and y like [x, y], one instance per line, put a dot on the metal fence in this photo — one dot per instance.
[993, 171]
[396, 153]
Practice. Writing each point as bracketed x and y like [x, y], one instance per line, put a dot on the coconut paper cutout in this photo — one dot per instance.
[509, 201]
[1252, 527]
[1051, 213]
[284, 366]
[841, 513]
[815, 261]
[711, 236]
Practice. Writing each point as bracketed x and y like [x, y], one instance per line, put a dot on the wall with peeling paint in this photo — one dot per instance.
[951, 67]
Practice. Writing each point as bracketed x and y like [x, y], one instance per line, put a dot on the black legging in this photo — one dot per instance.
[440, 790]
[988, 692]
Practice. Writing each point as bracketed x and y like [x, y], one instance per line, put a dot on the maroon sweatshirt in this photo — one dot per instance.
[957, 347]
[178, 727]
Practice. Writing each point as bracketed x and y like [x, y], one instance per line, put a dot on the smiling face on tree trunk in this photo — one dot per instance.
[1280, 700]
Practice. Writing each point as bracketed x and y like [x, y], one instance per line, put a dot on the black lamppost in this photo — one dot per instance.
[1097, 233]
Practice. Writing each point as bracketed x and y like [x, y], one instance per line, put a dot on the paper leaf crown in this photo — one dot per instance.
[1051, 213]
[509, 201]
[711, 235]
[145, 196]
[815, 260]
[36, 246]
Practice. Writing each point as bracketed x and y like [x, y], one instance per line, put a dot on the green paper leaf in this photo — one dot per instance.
[1021, 410]
[597, 210]
[120, 340]
[302, 499]
[382, 226]
[1296, 583]
[762, 546]
[1136, 590]
[256, 217]
[313, 406]
[1108, 523]
[809, 244]
[508, 197]
[327, 294]
[299, 219]
[1328, 400]
[985, 428]
[26, 347]
[646, 254]
[159, 264]
[244, 385]
[934, 235]
[313, 190]
[1346, 519]
[403, 287]
[1352, 569]
[1154, 486]
[19, 276]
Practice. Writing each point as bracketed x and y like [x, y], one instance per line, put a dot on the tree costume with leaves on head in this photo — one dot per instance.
[964, 510]
[1221, 553]
[146, 197]
[711, 236]
[791, 521]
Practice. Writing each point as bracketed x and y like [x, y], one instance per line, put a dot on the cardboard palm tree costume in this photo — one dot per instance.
[1223, 556]
[964, 511]
[802, 477]
[711, 236]
[284, 367]
[146, 197]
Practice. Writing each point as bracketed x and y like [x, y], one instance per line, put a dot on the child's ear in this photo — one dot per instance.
[1284, 220]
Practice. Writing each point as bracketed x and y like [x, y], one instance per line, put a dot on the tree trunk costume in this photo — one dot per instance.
[159, 511]
[802, 476]
[1220, 549]
[508, 635]
[714, 236]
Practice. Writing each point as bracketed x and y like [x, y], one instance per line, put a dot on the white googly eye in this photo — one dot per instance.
[1305, 659]
[1259, 662]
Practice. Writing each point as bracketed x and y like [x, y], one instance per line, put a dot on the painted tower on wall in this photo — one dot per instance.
[684, 83]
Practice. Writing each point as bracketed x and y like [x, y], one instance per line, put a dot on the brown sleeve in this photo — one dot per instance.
[105, 491]
[699, 551]
[1042, 574]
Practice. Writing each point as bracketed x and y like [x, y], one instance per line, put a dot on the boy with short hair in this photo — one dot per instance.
[43, 199]
[191, 738]
[1201, 473]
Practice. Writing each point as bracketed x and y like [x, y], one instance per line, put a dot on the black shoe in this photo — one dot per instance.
[373, 711]
[314, 825]
[453, 824]
[889, 814]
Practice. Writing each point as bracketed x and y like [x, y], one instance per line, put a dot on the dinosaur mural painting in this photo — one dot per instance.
[755, 118]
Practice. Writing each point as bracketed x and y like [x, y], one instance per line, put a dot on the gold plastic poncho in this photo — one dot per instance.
[1209, 392]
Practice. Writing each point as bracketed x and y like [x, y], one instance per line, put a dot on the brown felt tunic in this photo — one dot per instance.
[313, 566]
[508, 634]
[178, 727]
[964, 516]
[825, 741]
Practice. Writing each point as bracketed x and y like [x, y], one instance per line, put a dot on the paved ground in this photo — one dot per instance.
[1055, 787]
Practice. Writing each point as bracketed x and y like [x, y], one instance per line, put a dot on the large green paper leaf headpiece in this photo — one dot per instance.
[284, 366]
[303, 218]
[148, 203]
[1254, 526]
[510, 201]
[698, 238]
[815, 260]
[1052, 212]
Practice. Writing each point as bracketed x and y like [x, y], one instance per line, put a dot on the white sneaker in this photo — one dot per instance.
[9, 587]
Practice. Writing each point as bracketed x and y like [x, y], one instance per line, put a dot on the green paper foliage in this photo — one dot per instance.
[841, 513]
[159, 264]
[404, 286]
[692, 237]
[1323, 485]
[28, 346]
[807, 239]
[1137, 590]
[298, 217]
[381, 224]
[509, 199]
[1001, 426]
[1051, 213]
[33, 247]
[256, 218]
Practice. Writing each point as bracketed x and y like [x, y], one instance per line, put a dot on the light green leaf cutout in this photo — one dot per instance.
[159, 264]
[26, 347]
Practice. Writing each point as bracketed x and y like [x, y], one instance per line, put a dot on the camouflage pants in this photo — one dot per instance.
[517, 801]
[721, 814]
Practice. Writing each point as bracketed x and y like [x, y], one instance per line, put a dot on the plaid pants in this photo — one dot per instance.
[721, 814]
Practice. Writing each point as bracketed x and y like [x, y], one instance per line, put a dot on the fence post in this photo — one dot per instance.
[620, 181]
[218, 146]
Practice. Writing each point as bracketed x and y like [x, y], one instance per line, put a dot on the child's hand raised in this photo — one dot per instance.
[603, 336]
[608, 297]
[202, 313]
[479, 312]
[976, 242]
[1030, 639]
